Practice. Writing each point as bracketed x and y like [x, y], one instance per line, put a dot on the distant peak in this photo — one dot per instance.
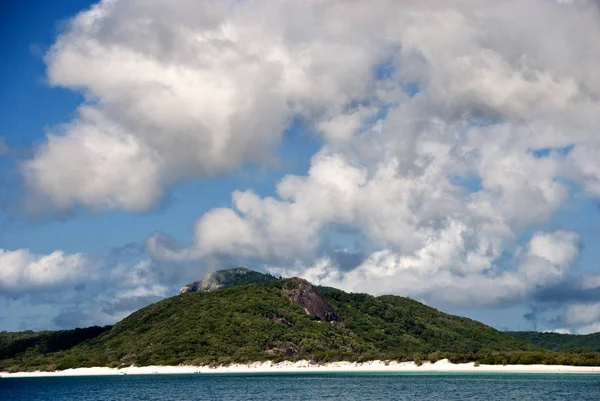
[227, 278]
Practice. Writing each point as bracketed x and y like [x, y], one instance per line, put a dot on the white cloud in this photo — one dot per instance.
[60, 290]
[584, 167]
[590, 281]
[454, 281]
[550, 257]
[589, 329]
[584, 317]
[95, 164]
[141, 280]
[485, 124]
[583, 314]
[22, 271]
[187, 90]
[198, 88]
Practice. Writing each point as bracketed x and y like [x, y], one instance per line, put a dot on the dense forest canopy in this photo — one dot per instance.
[560, 342]
[276, 320]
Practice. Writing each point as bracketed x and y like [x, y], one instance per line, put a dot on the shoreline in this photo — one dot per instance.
[442, 366]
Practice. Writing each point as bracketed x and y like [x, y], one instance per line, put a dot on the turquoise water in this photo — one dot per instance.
[306, 387]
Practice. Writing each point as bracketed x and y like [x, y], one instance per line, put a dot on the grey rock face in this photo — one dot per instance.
[226, 278]
[306, 295]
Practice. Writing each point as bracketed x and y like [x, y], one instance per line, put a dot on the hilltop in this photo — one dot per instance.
[560, 342]
[226, 279]
[282, 319]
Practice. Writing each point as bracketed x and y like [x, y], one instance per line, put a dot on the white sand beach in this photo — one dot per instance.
[443, 366]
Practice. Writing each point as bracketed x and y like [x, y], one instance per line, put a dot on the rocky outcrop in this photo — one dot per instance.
[227, 278]
[306, 295]
[297, 290]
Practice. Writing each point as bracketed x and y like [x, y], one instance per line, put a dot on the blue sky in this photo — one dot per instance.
[294, 151]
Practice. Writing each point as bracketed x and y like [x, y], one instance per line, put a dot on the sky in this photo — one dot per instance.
[444, 151]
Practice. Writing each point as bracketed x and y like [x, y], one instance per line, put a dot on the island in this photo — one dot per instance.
[240, 318]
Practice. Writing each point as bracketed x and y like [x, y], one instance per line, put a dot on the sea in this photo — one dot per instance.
[315, 386]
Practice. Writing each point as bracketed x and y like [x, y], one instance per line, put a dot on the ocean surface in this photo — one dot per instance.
[352, 386]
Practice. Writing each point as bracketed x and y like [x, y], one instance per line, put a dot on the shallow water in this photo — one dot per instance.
[329, 386]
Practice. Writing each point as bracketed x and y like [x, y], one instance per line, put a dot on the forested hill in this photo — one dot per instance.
[560, 342]
[45, 342]
[285, 319]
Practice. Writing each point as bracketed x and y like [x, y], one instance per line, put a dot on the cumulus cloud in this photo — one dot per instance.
[22, 271]
[583, 314]
[183, 91]
[95, 161]
[450, 131]
[199, 88]
[546, 261]
[63, 290]
[550, 256]
[442, 179]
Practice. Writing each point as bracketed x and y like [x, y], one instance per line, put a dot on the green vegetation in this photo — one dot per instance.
[400, 327]
[32, 346]
[229, 278]
[241, 276]
[45, 342]
[258, 322]
[560, 342]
